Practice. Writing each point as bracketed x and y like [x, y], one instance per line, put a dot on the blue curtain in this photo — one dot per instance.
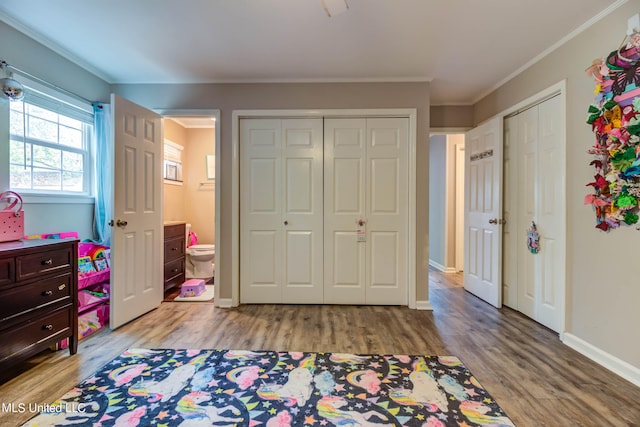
[103, 172]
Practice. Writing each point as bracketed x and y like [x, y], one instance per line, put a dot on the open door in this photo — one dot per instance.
[136, 238]
[483, 210]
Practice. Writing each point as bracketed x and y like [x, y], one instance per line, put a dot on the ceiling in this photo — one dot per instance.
[464, 47]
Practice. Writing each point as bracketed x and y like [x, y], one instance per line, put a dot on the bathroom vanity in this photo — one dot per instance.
[174, 254]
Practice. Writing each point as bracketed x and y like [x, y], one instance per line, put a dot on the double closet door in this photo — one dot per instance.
[323, 215]
[534, 283]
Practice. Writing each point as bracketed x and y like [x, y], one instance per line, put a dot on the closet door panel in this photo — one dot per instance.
[260, 211]
[302, 211]
[344, 206]
[386, 209]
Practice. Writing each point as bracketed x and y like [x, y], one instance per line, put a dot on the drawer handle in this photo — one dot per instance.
[61, 287]
[47, 293]
[47, 262]
[174, 249]
[175, 270]
[47, 327]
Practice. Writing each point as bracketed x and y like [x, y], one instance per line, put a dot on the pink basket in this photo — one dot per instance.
[11, 217]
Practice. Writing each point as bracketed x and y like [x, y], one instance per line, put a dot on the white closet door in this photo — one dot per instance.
[527, 149]
[539, 197]
[281, 211]
[366, 216]
[551, 215]
[260, 211]
[386, 207]
[302, 209]
[344, 206]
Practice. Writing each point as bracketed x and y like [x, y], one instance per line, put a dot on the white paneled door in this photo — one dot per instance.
[324, 211]
[366, 216]
[136, 267]
[536, 149]
[483, 208]
[281, 213]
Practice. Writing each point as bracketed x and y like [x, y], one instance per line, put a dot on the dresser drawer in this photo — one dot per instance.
[174, 249]
[6, 271]
[174, 268]
[36, 264]
[35, 333]
[21, 299]
[176, 230]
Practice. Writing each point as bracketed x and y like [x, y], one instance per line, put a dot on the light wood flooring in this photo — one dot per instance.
[536, 379]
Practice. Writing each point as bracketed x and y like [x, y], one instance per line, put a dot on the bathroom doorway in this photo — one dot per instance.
[189, 195]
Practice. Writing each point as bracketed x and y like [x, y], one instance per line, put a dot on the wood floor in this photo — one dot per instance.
[535, 378]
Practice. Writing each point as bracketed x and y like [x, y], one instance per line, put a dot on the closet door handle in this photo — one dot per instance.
[286, 223]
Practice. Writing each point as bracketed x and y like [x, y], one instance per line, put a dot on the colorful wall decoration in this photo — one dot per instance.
[615, 120]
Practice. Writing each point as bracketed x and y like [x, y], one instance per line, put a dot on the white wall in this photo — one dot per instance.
[603, 289]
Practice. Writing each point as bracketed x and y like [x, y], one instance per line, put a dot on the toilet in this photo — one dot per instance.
[199, 262]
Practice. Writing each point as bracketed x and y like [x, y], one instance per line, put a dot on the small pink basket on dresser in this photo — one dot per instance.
[11, 217]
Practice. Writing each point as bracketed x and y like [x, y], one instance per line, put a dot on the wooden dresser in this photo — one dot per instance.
[174, 254]
[38, 297]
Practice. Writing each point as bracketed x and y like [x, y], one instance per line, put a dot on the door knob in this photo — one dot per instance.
[110, 223]
[121, 223]
[286, 223]
[361, 222]
[493, 221]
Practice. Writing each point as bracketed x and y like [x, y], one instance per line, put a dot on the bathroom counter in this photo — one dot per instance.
[174, 222]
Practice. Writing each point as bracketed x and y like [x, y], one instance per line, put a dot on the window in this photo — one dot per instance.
[50, 146]
[172, 162]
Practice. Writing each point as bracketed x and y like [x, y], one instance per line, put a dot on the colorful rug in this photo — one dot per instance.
[274, 389]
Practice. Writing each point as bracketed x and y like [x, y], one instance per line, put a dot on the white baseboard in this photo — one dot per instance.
[224, 303]
[441, 267]
[423, 305]
[612, 363]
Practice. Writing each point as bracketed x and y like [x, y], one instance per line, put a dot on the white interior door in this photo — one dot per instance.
[344, 206]
[541, 200]
[527, 165]
[136, 268]
[366, 214]
[534, 192]
[551, 215]
[302, 211]
[260, 211]
[483, 239]
[281, 240]
[386, 209]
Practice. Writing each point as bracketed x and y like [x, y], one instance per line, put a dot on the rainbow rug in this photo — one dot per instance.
[185, 388]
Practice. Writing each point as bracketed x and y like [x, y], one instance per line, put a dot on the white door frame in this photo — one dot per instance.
[216, 183]
[561, 89]
[410, 113]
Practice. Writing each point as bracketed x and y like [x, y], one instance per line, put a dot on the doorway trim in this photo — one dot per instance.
[216, 114]
[559, 89]
[237, 115]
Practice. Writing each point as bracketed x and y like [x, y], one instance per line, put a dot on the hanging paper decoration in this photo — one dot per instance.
[533, 239]
[615, 121]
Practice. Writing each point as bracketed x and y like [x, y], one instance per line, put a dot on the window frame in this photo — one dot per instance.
[84, 111]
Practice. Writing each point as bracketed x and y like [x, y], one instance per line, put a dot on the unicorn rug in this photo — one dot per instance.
[186, 388]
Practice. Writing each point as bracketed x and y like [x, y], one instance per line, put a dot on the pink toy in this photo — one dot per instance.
[192, 288]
